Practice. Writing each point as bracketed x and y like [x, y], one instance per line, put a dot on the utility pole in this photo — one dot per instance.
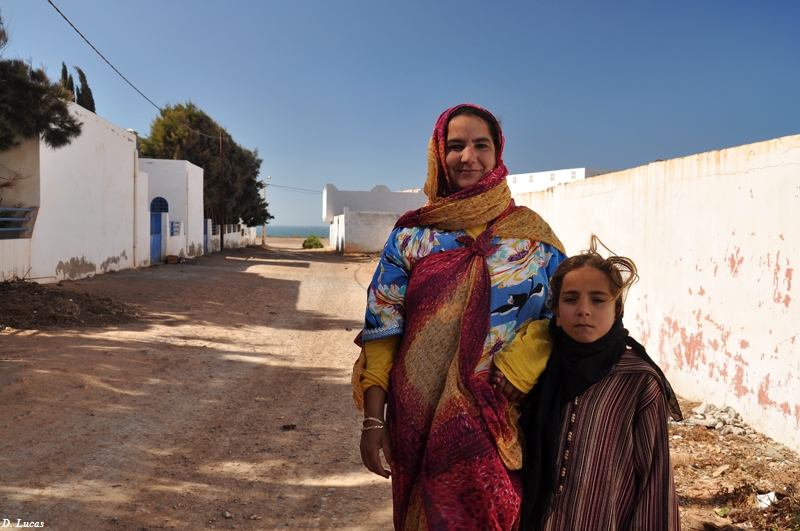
[221, 197]
[264, 229]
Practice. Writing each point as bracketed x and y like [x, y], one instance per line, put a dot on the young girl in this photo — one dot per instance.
[596, 453]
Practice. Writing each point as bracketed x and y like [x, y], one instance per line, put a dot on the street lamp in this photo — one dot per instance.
[264, 229]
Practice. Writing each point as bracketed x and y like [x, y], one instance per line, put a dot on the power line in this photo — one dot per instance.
[123, 77]
[120, 74]
[304, 190]
[101, 55]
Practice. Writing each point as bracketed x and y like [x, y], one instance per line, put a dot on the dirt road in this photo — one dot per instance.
[226, 405]
[215, 394]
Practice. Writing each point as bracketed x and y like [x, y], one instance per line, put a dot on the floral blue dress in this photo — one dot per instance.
[519, 269]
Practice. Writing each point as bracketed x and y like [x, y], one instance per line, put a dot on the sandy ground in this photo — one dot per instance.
[221, 400]
[225, 406]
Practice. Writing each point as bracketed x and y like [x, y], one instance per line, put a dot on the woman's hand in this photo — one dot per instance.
[501, 383]
[375, 440]
[372, 442]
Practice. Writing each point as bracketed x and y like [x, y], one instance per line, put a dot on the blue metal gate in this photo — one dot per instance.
[157, 207]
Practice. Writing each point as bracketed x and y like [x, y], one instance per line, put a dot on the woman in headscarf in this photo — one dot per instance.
[456, 280]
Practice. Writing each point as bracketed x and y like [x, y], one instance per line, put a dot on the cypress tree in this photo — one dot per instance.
[83, 95]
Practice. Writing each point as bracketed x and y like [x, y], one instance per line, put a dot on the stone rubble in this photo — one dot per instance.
[725, 420]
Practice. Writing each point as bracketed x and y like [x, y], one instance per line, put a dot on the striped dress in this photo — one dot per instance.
[614, 468]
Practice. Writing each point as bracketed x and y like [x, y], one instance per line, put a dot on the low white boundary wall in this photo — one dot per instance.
[716, 237]
[361, 232]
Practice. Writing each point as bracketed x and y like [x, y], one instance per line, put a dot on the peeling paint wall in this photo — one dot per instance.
[85, 223]
[716, 237]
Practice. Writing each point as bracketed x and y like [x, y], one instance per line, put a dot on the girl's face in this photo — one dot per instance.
[470, 153]
[586, 307]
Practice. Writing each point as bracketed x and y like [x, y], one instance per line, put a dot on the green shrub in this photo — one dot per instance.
[312, 242]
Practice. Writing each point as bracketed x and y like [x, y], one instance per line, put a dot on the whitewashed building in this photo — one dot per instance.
[85, 209]
[175, 202]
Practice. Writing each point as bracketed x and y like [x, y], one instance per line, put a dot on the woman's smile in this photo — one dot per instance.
[470, 151]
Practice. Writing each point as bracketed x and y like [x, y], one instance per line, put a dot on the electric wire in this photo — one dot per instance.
[120, 73]
[131, 84]
[102, 56]
[303, 190]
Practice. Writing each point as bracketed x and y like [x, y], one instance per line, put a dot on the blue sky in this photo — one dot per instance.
[347, 92]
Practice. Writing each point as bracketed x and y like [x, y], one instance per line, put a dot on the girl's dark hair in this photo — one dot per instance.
[491, 121]
[621, 271]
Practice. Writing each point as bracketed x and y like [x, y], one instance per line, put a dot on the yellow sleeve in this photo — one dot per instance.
[524, 359]
[473, 232]
[380, 354]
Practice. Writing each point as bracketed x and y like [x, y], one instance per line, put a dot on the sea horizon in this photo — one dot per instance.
[295, 231]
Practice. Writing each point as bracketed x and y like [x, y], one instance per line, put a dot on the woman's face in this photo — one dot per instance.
[470, 153]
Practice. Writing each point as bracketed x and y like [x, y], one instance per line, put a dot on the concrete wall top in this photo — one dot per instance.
[379, 199]
[542, 180]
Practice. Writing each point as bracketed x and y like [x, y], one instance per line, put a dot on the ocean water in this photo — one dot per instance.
[295, 231]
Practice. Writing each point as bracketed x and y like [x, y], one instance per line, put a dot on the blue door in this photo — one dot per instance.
[157, 207]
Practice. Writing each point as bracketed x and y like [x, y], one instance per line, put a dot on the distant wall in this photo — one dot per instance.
[716, 237]
[542, 180]
[213, 236]
[336, 233]
[238, 236]
[379, 199]
[194, 206]
[362, 232]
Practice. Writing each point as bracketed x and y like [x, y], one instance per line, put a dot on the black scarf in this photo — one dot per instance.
[573, 368]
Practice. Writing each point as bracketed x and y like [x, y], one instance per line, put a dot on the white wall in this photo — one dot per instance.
[238, 236]
[379, 199]
[85, 223]
[193, 225]
[176, 243]
[141, 216]
[716, 237]
[15, 258]
[336, 233]
[363, 232]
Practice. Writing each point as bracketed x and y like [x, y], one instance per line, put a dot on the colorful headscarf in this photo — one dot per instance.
[482, 202]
